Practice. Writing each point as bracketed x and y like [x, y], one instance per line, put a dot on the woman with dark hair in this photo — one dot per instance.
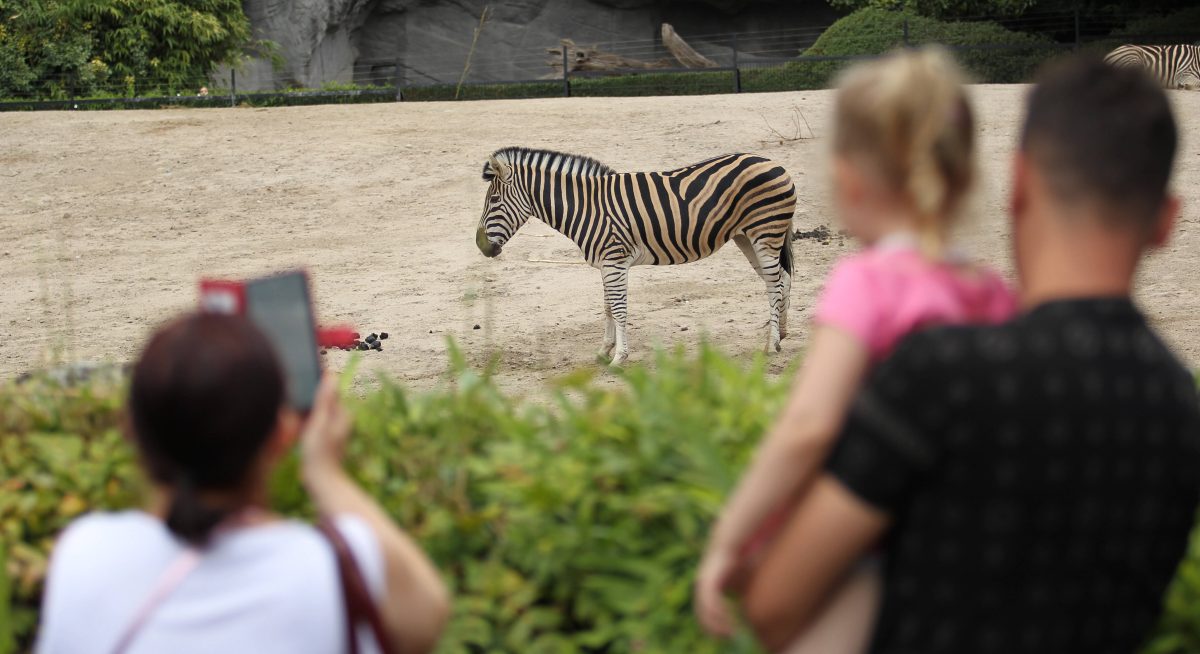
[208, 567]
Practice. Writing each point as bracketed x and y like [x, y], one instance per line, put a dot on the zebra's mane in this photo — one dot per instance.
[545, 159]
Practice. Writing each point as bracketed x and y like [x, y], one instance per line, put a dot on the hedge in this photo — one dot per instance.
[570, 520]
[991, 53]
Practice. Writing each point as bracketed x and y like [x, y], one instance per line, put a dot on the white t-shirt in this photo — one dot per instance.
[270, 588]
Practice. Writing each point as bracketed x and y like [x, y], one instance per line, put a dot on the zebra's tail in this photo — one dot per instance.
[785, 255]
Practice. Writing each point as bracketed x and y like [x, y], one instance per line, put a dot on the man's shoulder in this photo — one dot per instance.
[954, 346]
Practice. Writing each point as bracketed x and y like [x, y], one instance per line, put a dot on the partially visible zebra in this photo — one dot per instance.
[1174, 66]
[620, 220]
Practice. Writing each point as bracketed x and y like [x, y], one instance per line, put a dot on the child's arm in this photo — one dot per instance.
[785, 462]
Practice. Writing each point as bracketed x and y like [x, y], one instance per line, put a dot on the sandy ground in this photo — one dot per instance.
[107, 219]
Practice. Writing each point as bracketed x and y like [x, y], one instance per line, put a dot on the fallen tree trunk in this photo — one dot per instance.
[592, 59]
[685, 54]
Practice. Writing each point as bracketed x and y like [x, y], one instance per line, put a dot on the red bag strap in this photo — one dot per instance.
[355, 594]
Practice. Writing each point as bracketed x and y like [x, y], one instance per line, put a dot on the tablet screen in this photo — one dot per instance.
[281, 307]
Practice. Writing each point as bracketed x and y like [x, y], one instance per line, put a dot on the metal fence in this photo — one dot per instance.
[743, 62]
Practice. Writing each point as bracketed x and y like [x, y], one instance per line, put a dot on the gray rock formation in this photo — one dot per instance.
[427, 41]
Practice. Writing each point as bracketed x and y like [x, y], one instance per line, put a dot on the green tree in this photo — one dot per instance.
[61, 48]
[164, 44]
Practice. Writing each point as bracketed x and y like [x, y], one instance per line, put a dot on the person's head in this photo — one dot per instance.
[903, 146]
[1095, 157]
[206, 411]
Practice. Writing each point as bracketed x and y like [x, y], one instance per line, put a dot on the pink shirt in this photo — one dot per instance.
[883, 293]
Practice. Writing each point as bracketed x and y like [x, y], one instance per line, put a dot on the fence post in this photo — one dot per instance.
[737, 72]
[1077, 43]
[566, 74]
[906, 31]
[232, 87]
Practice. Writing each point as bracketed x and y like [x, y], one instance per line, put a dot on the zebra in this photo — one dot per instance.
[1174, 66]
[620, 220]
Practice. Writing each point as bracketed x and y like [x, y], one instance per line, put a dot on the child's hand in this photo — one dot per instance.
[712, 609]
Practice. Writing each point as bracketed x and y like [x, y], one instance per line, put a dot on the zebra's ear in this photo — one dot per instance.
[499, 169]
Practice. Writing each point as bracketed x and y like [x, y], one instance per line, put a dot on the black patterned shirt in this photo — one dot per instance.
[1042, 475]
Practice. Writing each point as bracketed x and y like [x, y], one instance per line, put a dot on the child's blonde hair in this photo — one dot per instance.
[908, 114]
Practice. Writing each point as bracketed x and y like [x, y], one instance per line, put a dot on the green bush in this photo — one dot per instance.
[991, 53]
[570, 521]
[1182, 23]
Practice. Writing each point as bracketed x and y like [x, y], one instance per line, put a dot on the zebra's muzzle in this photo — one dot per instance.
[488, 248]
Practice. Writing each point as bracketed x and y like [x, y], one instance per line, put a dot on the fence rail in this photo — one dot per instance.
[746, 61]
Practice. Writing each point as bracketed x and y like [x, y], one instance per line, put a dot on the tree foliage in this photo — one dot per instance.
[64, 48]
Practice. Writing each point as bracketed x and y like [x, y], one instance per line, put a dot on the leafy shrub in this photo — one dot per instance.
[943, 8]
[990, 52]
[1180, 26]
[567, 522]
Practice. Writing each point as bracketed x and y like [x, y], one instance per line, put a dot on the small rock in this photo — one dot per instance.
[683, 329]
[364, 347]
[324, 352]
[371, 338]
[377, 346]
[475, 327]
[383, 335]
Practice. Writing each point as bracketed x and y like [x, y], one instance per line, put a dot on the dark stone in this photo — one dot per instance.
[383, 336]
[475, 327]
[377, 346]
[421, 41]
[371, 338]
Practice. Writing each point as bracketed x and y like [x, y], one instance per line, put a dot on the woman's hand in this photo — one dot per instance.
[712, 609]
[323, 439]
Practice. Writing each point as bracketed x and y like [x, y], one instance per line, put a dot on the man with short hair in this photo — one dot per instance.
[1034, 483]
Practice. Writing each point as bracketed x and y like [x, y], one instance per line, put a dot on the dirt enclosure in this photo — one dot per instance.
[107, 219]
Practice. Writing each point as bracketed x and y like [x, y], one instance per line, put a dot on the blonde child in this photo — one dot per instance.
[903, 163]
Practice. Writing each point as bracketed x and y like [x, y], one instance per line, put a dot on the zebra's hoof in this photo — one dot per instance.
[618, 360]
[605, 351]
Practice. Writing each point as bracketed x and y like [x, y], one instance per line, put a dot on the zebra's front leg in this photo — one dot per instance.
[616, 299]
[610, 333]
[773, 276]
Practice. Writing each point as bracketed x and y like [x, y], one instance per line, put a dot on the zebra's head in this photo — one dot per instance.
[505, 209]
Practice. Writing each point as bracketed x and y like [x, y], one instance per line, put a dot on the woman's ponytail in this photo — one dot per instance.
[189, 517]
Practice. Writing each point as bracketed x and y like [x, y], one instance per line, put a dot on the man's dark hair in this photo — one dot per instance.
[1103, 135]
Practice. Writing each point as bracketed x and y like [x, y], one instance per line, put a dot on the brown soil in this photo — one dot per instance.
[107, 219]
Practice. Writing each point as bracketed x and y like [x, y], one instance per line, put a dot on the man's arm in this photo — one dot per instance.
[829, 531]
[886, 447]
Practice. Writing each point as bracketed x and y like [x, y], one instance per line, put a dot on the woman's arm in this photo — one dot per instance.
[784, 463]
[830, 529]
[417, 603]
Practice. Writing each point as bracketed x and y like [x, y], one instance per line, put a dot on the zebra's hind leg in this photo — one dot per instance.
[610, 333]
[616, 298]
[766, 263]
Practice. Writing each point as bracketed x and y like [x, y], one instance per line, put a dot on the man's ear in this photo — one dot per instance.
[502, 170]
[1018, 199]
[1164, 223]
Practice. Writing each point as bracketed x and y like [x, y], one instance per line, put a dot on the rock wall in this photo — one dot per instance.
[427, 41]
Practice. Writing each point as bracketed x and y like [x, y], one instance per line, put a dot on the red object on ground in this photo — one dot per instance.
[342, 336]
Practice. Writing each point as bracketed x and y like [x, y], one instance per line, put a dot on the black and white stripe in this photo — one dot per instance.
[620, 220]
[1174, 66]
